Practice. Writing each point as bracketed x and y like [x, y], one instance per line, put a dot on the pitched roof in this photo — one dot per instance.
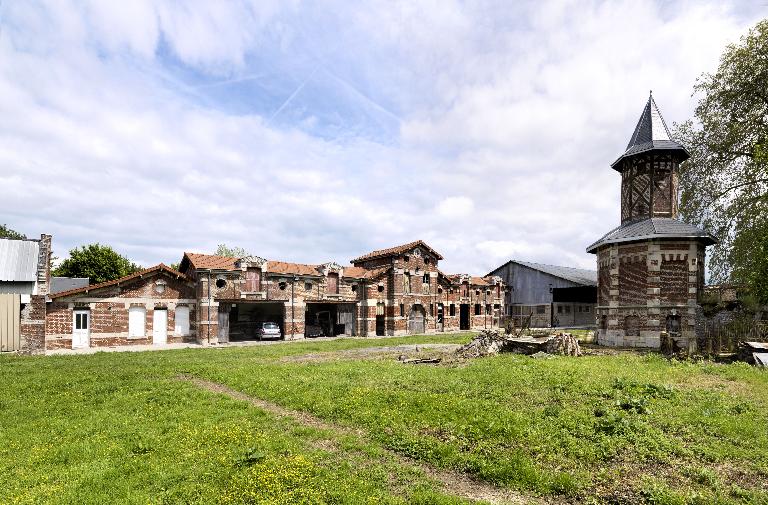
[18, 260]
[281, 267]
[581, 276]
[136, 275]
[473, 280]
[651, 133]
[214, 262]
[59, 284]
[365, 273]
[210, 261]
[392, 251]
[652, 228]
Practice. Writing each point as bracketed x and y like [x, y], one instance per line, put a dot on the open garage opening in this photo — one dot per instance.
[329, 319]
[247, 321]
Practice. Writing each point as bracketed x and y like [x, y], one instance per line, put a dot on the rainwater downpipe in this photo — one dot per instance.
[209, 307]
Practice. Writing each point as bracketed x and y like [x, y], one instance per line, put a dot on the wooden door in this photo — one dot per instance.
[223, 323]
[160, 327]
[333, 284]
[253, 280]
[416, 320]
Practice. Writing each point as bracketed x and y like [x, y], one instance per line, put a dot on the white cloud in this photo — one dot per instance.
[506, 121]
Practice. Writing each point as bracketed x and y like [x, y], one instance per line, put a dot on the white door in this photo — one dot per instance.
[81, 328]
[160, 327]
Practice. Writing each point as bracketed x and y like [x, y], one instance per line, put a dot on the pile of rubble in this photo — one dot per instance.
[490, 342]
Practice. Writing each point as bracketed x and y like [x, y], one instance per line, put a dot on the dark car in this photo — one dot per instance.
[314, 330]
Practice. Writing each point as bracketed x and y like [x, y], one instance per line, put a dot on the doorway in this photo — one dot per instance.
[464, 316]
[160, 327]
[81, 329]
[440, 318]
[416, 320]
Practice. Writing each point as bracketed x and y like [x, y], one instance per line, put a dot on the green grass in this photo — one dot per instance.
[121, 428]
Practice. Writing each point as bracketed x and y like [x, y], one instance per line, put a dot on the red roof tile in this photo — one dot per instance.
[392, 251]
[135, 275]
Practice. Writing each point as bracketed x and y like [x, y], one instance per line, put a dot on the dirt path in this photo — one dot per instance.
[454, 483]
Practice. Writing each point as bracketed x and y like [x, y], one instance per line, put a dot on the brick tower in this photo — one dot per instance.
[650, 268]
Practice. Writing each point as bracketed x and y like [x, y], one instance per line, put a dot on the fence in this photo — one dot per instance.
[718, 337]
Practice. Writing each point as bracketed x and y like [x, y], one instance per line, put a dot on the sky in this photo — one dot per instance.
[319, 131]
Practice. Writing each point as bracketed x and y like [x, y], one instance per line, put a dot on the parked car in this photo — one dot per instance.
[268, 330]
[313, 330]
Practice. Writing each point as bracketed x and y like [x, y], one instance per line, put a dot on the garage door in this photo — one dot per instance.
[10, 322]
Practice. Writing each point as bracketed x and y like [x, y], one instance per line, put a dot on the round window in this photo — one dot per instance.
[381, 288]
[220, 283]
[282, 286]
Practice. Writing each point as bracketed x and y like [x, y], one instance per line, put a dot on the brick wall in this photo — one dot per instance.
[108, 309]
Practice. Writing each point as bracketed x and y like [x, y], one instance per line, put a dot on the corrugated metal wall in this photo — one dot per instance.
[10, 322]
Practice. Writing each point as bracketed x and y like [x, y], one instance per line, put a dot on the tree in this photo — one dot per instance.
[100, 263]
[6, 232]
[725, 183]
[232, 252]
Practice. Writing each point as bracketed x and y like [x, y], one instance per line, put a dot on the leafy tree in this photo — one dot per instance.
[233, 252]
[100, 263]
[725, 183]
[6, 232]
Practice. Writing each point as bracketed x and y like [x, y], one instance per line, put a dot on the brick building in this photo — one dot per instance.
[395, 291]
[153, 306]
[217, 299]
[651, 267]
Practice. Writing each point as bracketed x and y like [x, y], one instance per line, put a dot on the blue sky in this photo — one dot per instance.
[318, 131]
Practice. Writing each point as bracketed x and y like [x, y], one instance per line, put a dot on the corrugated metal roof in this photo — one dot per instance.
[59, 284]
[18, 260]
[651, 133]
[652, 228]
[577, 275]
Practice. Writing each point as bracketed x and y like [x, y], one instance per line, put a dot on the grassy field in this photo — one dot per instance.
[624, 428]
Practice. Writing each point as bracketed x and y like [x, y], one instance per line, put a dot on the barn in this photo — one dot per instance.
[553, 296]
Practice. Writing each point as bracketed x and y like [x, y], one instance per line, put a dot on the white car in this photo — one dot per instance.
[268, 330]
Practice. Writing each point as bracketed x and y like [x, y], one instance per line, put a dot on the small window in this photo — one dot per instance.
[282, 286]
[559, 309]
[221, 282]
[579, 308]
[541, 309]
[380, 288]
[402, 310]
[477, 292]
[354, 288]
[567, 309]
[426, 261]
[477, 309]
[453, 309]
[81, 321]
[431, 309]
[488, 308]
[406, 259]
[586, 308]
[160, 286]
[307, 286]
[440, 290]
[425, 278]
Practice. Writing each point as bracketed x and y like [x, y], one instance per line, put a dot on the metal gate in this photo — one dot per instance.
[10, 322]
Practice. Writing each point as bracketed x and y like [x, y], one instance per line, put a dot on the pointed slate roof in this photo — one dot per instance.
[651, 133]
[652, 228]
